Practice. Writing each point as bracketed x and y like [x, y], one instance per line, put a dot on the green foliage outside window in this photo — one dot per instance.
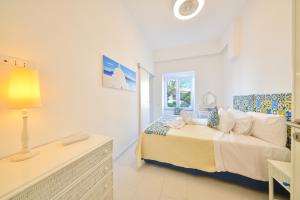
[183, 93]
[171, 93]
[185, 99]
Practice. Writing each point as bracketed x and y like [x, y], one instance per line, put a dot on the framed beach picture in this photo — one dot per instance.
[116, 75]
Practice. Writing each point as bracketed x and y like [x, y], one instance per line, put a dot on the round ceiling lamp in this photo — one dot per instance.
[187, 9]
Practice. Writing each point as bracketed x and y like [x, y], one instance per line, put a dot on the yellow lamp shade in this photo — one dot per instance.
[24, 88]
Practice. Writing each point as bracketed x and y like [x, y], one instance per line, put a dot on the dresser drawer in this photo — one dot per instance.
[52, 185]
[108, 196]
[101, 191]
[102, 173]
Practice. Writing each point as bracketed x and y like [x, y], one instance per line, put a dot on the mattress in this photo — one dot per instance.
[203, 148]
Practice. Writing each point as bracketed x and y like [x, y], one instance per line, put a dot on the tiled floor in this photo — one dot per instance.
[151, 182]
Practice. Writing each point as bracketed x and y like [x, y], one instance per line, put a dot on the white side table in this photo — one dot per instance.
[282, 173]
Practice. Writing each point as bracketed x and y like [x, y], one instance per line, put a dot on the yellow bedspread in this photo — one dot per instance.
[190, 147]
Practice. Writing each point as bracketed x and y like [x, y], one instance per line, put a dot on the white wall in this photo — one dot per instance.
[187, 51]
[265, 61]
[65, 40]
[257, 56]
[208, 77]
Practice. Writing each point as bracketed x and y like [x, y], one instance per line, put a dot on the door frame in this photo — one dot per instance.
[295, 194]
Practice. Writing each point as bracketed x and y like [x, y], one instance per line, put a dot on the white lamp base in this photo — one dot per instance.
[23, 156]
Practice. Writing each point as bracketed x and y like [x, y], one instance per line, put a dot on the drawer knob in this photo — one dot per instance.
[105, 150]
[286, 184]
[105, 186]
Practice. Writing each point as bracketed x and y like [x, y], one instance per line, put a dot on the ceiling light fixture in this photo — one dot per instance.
[187, 9]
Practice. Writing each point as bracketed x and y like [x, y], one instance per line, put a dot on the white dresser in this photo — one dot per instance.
[78, 171]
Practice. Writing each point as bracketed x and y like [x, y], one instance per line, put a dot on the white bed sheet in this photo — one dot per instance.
[246, 155]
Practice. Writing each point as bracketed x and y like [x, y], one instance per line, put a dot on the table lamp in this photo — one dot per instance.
[24, 93]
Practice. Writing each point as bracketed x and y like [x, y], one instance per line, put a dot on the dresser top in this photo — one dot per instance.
[52, 157]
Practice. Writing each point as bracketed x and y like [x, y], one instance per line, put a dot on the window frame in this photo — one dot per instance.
[177, 76]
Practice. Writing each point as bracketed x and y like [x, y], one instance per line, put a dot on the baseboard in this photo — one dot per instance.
[119, 154]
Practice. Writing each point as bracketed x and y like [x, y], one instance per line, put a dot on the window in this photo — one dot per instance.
[178, 90]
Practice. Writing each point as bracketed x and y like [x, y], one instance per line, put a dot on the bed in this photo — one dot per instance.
[206, 149]
[203, 150]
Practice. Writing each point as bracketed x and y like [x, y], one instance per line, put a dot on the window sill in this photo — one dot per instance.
[172, 109]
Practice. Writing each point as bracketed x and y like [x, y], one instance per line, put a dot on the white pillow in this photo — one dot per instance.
[197, 121]
[270, 128]
[242, 126]
[236, 113]
[177, 123]
[226, 121]
[243, 122]
[187, 116]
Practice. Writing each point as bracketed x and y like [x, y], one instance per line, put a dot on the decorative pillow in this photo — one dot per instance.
[226, 121]
[187, 116]
[213, 117]
[270, 128]
[243, 122]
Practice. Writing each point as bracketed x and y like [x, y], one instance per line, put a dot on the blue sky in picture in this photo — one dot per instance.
[109, 66]
[129, 75]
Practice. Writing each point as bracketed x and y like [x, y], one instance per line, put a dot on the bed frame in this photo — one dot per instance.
[264, 103]
[227, 177]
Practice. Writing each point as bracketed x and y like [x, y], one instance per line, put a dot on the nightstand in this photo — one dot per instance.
[281, 172]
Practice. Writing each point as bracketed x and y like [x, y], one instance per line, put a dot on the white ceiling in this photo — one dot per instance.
[161, 29]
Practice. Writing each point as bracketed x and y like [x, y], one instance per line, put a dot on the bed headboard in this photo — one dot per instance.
[280, 104]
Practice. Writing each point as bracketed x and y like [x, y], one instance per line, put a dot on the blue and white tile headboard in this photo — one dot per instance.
[243, 103]
[280, 104]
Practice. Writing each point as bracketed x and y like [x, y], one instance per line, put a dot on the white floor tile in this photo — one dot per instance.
[123, 193]
[166, 198]
[209, 188]
[175, 185]
[151, 182]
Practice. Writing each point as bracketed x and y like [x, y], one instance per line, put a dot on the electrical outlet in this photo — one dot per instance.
[4, 60]
[13, 61]
[22, 62]
[19, 62]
